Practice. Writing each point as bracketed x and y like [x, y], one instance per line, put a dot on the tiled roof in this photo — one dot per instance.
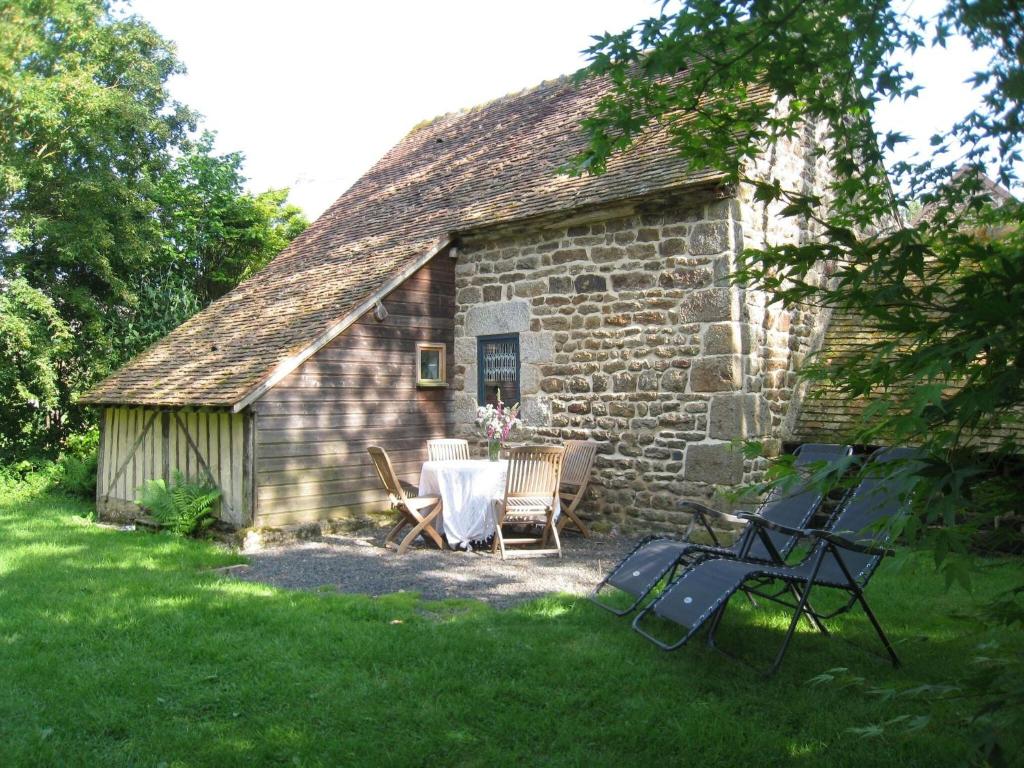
[491, 164]
[828, 416]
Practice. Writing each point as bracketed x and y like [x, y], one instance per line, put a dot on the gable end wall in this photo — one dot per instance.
[631, 336]
[313, 427]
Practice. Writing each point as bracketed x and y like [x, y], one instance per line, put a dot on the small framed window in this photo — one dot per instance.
[430, 366]
[498, 368]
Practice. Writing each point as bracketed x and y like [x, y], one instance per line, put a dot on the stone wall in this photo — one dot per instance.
[631, 336]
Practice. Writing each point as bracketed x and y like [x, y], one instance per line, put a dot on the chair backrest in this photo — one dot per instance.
[577, 462]
[386, 473]
[795, 506]
[534, 470]
[882, 493]
[448, 449]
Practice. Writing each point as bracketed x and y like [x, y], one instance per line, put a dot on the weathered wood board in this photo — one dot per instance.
[141, 444]
[313, 427]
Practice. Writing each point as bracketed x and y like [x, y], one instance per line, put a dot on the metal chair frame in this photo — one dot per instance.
[702, 517]
[800, 579]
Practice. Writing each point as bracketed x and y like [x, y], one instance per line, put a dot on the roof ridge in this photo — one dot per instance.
[486, 164]
[427, 122]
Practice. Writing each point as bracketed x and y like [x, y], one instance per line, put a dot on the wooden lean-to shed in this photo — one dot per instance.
[348, 337]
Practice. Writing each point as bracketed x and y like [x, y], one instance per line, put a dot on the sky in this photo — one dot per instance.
[314, 92]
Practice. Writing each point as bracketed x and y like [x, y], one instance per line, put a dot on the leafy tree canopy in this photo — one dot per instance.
[944, 290]
[33, 337]
[87, 130]
[110, 205]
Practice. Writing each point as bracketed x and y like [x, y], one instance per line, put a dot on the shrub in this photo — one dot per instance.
[75, 469]
[77, 476]
[188, 507]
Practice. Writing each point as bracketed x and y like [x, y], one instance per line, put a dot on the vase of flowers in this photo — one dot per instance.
[497, 423]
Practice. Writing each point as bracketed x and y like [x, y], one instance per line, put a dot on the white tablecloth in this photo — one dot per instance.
[467, 489]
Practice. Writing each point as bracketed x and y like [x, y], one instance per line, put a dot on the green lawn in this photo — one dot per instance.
[124, 649]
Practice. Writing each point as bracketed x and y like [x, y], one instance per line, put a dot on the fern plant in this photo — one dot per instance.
[188, 507]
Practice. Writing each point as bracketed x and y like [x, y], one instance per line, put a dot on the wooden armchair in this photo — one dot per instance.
[447, 450]
[576, 467]
[419, 512]
[531, 492]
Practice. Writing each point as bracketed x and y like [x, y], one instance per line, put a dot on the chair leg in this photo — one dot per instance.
[554, 533]
[424, 526]
[810, 613]
[878, 628]
[393, 533]
[499, 541]
[430, 527]
[568, 515]
[713, 628]
[801, 607]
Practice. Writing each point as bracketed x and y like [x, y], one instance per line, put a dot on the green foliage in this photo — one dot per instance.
[133, 659]
[109, 207]
[188, 507]
[77, 476]
[75, 469]
[732, 80]
[87, 128]
[33, 338]
[216, 234]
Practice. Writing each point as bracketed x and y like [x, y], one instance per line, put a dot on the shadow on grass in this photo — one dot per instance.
[125, 649]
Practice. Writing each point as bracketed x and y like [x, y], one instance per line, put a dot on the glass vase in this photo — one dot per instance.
[494, 449]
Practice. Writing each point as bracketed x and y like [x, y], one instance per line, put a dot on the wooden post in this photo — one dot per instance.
[165, 437]
[249, 495]
[100, 463]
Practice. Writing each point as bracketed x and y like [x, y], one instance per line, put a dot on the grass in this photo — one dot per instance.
[124, 649]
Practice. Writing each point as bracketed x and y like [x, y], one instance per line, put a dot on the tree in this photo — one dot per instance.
[109, 205]
[87, 127]
[33, 336]
[214, 234]
[943, 291]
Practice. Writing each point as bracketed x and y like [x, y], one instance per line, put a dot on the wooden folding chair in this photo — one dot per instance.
[447, 450]
[531, 490]
[410, 510]
[576, 466]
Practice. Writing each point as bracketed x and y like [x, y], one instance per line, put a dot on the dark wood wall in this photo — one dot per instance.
[312, 429]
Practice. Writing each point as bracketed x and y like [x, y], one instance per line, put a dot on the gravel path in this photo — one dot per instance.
[358, 563]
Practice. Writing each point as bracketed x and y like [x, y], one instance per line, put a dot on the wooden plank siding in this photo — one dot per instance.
[141, 444]
[313, 427]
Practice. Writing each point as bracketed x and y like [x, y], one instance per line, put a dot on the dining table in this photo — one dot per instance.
[468, 489]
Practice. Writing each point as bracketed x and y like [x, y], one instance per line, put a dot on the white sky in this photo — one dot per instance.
[313, 93]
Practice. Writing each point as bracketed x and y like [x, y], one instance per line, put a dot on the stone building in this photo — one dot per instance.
[461, 263]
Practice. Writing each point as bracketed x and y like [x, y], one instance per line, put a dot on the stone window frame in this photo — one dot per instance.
[481, 394]
[442, 353]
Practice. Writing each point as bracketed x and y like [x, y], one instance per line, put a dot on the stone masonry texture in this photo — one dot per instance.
[632, 336]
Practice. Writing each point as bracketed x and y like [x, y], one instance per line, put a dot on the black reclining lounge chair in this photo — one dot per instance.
[656, 557]
[843, 557]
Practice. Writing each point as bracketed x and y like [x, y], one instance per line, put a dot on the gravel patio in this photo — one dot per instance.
[358, 563]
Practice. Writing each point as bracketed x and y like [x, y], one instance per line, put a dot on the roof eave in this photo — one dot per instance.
[287, 366]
